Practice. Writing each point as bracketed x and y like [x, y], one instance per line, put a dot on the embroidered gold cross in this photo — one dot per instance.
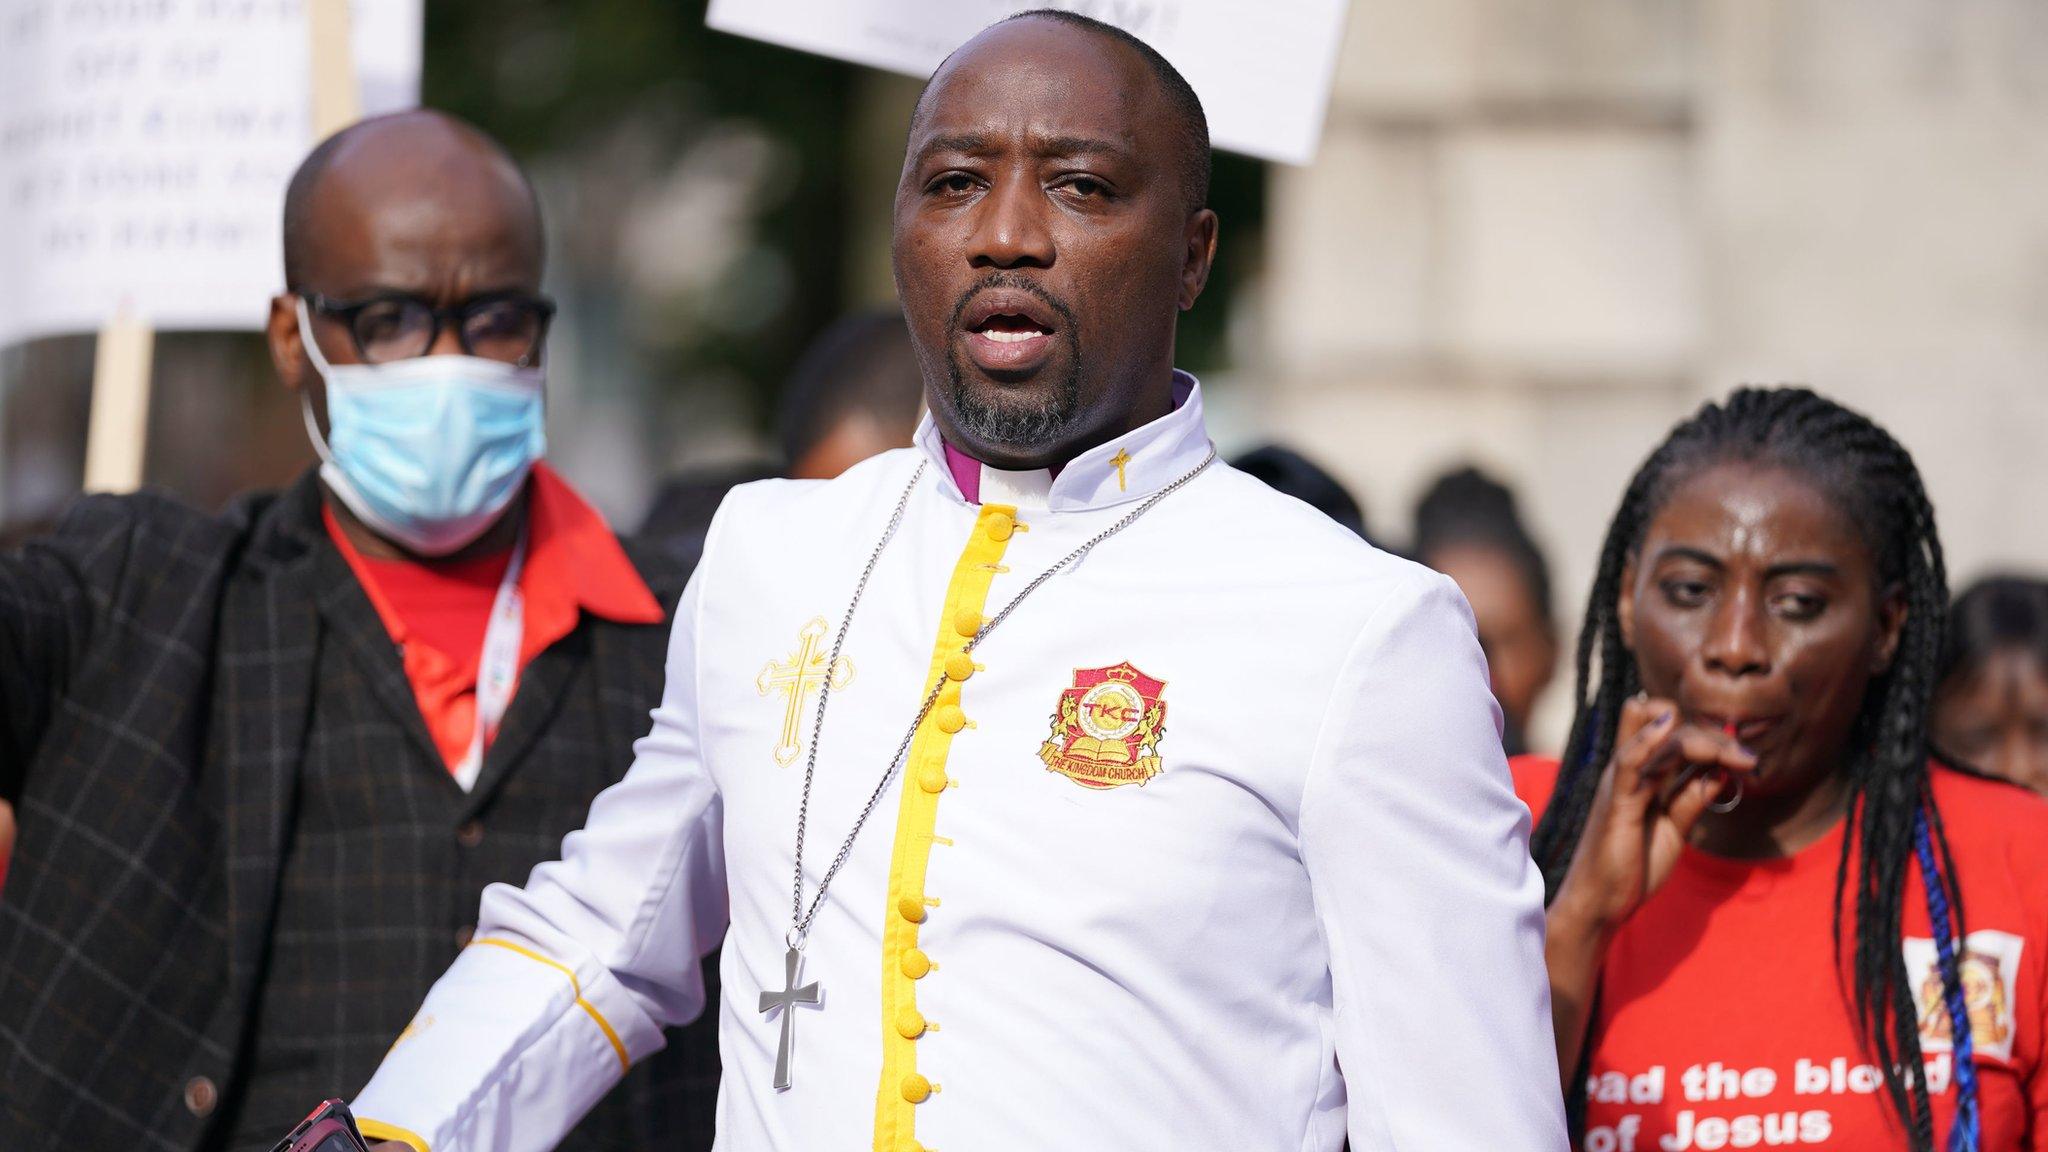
[1120, 459]
[797, 680]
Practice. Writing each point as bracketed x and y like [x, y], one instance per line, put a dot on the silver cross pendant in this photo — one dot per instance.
[787, 1000]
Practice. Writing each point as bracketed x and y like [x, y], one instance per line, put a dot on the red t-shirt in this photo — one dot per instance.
[1725, 1022]
[445, 605]
[437, 613]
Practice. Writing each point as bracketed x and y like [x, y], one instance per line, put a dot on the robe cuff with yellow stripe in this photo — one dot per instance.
[524, 1043]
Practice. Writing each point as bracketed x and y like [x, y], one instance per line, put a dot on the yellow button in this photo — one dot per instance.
[916, 1088]
[1000, 527]
[959, 666]
[912, 909]
[950, 719]
[932, 780]
[916, 964]
[910, 1023]
[968, 622]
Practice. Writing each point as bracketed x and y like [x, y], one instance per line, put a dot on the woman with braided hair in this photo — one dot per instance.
[1756, 878]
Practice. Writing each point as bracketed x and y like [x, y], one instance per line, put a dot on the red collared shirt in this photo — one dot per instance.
[437, 613]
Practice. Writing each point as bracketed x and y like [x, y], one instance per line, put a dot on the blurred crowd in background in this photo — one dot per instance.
[1535, 234]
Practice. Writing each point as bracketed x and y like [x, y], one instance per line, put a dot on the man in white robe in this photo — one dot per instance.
[1205, 842]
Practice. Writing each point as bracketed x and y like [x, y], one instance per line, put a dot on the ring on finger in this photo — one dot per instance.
[1724, 802]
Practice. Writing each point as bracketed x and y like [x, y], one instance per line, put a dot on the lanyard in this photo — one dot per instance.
[497, 673]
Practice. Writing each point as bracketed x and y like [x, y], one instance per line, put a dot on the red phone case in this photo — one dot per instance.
[330, 1128]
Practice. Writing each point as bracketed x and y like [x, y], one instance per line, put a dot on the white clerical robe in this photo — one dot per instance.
[1209, 845]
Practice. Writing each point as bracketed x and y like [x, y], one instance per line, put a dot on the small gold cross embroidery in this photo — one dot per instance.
[797, 680]
[1120, 459]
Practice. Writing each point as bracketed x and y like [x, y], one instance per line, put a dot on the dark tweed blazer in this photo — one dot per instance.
[157, 687]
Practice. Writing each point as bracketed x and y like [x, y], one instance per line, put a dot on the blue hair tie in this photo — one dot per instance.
[1963, 1137]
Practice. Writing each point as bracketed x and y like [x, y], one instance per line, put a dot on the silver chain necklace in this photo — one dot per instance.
[801, 917]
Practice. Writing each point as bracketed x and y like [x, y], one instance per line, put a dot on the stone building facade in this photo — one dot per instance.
[1541, 231]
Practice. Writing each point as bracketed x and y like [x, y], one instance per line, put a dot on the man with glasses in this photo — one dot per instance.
[265, 762]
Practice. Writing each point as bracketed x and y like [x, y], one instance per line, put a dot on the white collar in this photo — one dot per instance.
[1152, 457]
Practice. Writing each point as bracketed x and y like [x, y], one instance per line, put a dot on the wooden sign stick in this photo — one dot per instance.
[117, 433]
[337, 97]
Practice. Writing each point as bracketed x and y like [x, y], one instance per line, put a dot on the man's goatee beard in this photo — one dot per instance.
[1011, 420]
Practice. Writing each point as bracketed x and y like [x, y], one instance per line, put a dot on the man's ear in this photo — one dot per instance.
[287, 351]
[1199, 257]
[1891, 626]
[1625, 606]
[281, 333]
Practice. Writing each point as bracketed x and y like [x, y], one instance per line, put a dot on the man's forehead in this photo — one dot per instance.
[1041, 76]
[367, 179]
[395, 220]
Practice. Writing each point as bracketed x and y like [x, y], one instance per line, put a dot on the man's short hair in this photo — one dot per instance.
[1193, 123]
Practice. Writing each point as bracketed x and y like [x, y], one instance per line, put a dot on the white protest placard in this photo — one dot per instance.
[1263, 68]
[145, 146]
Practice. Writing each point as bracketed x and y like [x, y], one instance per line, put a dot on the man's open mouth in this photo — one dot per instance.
[1008, 331]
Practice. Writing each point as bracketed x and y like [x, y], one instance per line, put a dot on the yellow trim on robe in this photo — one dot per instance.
[603, 1025]
[379, 1130]
[924, 780]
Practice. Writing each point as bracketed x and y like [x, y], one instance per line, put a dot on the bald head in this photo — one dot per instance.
[416, 206]
[1190, 124]
[408, 180]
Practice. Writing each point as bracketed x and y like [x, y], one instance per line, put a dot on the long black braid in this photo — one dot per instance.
[1873, 480]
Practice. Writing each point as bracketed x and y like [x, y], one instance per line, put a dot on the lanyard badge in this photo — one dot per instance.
[497, 673]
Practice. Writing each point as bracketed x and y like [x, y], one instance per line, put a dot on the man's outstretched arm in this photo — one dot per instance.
[49, 593]
[1417, 851]
[572, 978]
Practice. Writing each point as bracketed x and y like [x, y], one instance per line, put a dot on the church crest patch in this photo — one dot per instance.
[1106, 729]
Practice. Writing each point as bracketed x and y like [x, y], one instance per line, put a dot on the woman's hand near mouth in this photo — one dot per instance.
[1664, 773]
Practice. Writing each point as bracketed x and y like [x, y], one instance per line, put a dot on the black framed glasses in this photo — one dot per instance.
[504, 326]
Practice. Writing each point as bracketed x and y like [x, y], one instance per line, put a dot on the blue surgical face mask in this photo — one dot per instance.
[427, 451]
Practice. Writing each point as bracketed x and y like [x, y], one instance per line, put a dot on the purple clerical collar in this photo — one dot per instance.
[966, 472]
[966, 469]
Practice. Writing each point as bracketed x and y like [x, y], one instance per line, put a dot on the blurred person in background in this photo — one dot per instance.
[854, 393]
[1468, 528]
[1285, 470]
[266, 761]
[1991, 703]
[681, 512]
[1774, 919]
